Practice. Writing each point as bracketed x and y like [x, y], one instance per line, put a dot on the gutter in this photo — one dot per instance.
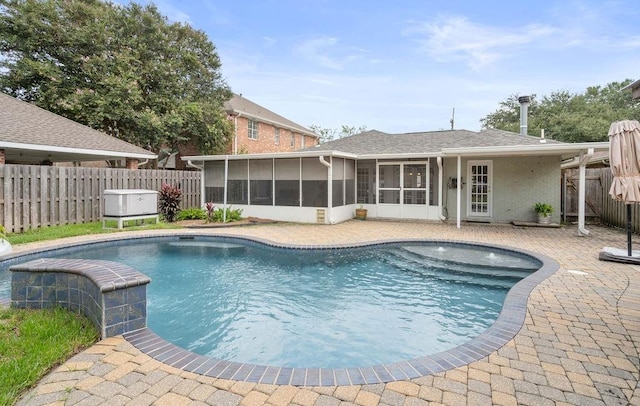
[201, 169]
[329, 188]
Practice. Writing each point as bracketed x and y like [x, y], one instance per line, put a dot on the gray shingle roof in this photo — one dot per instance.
[25, 123]
[239, 104]
[374, 142]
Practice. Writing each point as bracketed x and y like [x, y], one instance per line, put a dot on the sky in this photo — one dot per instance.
[404, 66]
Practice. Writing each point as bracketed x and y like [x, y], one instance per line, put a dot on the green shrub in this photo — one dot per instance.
[232, 215]
[192, 213]
[170, 198]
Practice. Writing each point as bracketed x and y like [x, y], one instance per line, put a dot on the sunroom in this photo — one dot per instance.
[320, 187]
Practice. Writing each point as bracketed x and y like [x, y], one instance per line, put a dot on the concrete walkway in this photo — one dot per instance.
[579, 344]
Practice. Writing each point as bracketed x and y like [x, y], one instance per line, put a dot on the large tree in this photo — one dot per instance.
[569, 117]
[330, 134]
[124, 70]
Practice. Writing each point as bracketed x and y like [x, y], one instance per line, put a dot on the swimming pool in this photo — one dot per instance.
[329, 308]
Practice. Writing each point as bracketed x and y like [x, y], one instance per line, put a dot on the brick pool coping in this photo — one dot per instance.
[507, 325]
[112, 295]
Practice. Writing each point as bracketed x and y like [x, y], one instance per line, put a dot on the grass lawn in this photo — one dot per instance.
[73, 230]
[32, 342]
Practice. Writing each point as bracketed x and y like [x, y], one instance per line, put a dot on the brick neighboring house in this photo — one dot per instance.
[259, 130]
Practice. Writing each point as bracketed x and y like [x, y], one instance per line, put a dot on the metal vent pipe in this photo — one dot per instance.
[524, 107]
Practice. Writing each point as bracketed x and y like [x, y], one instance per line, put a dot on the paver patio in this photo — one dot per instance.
[579, 344]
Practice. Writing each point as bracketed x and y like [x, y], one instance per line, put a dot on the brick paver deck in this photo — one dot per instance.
[579, 344]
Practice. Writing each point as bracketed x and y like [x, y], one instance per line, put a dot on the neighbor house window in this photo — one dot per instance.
[276, 136]
[293, 140]
[302, 141]
[253, 130]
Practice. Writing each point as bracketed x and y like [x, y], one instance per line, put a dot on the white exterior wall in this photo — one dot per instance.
[518, 183]
[297, 214]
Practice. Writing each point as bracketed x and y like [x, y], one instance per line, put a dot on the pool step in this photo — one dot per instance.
[427, 267]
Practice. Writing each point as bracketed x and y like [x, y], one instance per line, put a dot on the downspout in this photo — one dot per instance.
[584, 159]
[329, 188]
[440, 180]
[458, 194]
[226, 181]
[201, 168]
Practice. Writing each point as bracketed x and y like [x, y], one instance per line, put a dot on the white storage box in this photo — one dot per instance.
[130, 202]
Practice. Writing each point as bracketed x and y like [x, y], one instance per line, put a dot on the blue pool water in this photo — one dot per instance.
[247, 302]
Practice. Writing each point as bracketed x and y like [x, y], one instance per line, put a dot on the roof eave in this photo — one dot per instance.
[407, 155]
[631, 85]
[79, 151]
[541, 149]
[271, 155]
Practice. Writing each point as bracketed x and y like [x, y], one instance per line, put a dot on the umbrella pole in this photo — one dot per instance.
[629, 250]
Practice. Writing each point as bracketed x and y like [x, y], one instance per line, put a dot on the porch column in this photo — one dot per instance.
[458, 193]
[226, 182]
[584, 159]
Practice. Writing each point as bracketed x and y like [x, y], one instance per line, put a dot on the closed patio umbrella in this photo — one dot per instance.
[624, 156]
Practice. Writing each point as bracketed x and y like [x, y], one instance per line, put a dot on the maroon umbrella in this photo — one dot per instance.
[624, 158]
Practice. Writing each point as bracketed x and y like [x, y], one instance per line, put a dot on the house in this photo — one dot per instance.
[487, 176]
[634, 87]
[257, 130]
[31, 135]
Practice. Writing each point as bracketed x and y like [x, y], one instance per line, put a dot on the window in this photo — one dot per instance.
[314, 183]
[366, 182]
[293, 140]
[261, 182]
[287, 182]
[276, 136]
[389, 183]
[415, 187]
[214, 181]
[237, 185]
[302, 140]
[337, 169]
[253, 130]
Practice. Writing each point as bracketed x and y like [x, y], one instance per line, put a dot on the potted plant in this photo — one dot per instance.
[361, 213]
[544, 211]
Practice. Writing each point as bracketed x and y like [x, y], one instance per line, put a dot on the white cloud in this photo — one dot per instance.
[458, 39]
[269, 41]
[328, 52]
[317, 50]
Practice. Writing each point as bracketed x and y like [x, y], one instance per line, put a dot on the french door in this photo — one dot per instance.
[479, 194]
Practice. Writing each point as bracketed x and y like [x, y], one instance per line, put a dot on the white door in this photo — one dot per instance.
[479, 195]
[403, 189]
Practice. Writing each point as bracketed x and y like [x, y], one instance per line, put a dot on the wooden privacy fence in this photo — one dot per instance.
[36, 196]
[598, 205]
